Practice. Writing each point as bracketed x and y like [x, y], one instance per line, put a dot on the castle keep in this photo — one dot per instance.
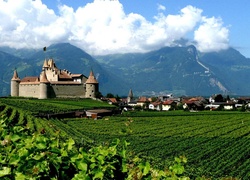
[54, 82]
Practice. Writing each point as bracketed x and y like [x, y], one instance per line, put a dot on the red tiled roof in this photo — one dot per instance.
[113, 100]
[30, 79]
[167, 102]
[156, 103]
[143, 99]
[64, 75]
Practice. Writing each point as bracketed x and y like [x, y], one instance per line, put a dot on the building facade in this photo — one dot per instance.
[54, 82]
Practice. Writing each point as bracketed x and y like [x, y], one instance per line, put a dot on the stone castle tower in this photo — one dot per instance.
[44, 83]
[54, 82]
[15, 81]
[91, 86]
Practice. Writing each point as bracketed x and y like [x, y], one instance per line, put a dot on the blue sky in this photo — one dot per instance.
[111, 26]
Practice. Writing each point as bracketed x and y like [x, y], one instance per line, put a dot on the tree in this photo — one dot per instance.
[218, 98]
[110, 95]
[98, 95]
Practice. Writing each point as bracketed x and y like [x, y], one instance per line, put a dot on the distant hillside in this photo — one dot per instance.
[67, 57]
[177, 70]
[232, 67]
[20, 53]
[7, 65]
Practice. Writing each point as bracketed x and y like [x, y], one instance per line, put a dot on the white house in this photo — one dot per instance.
[155, 106]
[166, 105]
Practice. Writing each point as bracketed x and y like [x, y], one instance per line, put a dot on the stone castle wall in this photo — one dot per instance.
[29, 90]
[33, 90]
[67, 90]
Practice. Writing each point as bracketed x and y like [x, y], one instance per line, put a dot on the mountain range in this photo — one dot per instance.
[177, 70]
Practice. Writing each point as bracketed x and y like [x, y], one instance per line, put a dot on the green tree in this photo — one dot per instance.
[219, 98]
[110, 95]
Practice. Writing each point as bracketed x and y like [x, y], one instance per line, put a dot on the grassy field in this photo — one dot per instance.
[216, 143]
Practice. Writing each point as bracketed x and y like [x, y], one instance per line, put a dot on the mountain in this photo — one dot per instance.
[8, 63]
[66, 56]
[20, 53]
[177, 70]
[232, 66]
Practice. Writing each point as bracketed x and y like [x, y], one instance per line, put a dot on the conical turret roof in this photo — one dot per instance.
[91, 79]
[15, 76]
[45, 64]
[43, 78]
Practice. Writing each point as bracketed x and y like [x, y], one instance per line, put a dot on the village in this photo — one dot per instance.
[169, 102]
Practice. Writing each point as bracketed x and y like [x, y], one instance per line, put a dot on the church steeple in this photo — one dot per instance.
[130, 96]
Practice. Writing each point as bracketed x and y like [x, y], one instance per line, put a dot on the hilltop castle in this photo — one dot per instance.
[54, 82]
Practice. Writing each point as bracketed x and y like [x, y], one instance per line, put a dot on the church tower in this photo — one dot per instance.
[130, 96]
[44, 83]
[15, 81]
[92, 86]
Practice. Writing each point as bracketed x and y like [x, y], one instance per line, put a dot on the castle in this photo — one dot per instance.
[54, 82]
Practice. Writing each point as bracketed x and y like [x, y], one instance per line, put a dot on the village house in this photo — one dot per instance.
[168, 105]
[143, 101]
[112, 101]
[194, 103]
[229, 105]
[155, 106]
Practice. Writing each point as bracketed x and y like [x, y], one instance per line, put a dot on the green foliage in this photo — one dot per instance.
[110, 95]
[215, 142]
[53, 105]
[155, 137]
[25, 154]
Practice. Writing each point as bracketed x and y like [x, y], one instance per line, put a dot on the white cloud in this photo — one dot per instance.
[211, 35]
[103, 27]
[161, 7]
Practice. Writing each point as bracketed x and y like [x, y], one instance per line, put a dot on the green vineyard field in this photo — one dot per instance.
[53, 105]
[216, 144]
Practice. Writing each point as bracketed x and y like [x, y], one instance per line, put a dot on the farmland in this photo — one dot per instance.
[216, 144]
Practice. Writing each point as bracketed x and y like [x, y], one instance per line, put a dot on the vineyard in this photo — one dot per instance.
[53, 105]
[216, 144]
[36, 148]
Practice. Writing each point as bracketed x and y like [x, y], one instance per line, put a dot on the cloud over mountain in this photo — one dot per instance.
[103, 27]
